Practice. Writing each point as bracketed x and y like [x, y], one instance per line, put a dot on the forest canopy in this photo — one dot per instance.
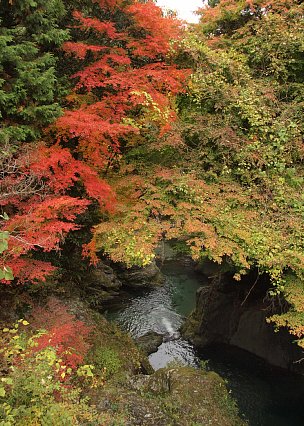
[128, 123]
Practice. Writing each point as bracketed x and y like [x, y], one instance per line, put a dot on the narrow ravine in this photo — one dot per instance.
[162, 309]
[266, 396]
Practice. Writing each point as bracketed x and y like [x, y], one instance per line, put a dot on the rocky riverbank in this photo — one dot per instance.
[235, 313]
[133, 394]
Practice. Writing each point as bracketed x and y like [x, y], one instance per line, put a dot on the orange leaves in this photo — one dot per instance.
[95, 24]
[98, 138]
[54, 164]
[47, 214]
[159, 30]
[40, 225]
[43, 224]
[81, 49]
[98, 74]
[62, 171]
[64, 332]
[97, 188]
[28, 270]
[126, 96]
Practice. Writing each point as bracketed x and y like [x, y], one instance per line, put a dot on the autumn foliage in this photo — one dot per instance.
[63, 332]
[101, 114]
[123, 81]
[226, 181]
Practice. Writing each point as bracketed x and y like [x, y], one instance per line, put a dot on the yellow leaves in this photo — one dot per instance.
[294, 292]
[293, 320]
[86, 371]
[300, 343]
[14, 330]
[195, 248]
[130, 242]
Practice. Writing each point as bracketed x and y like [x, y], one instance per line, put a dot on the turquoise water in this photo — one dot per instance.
[265, 396]
[163, 310]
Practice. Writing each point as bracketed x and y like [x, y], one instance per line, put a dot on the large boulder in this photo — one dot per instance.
[149, 342]
[100, 284]
[223, 315]
[104, 276]
[185, 397]
[136, 277]
[180, 396]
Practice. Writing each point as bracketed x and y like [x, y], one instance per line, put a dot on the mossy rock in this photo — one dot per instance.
[194, 397]
[178, 396]
[149, 342]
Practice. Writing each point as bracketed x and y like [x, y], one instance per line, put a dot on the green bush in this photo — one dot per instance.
[33, 391]
[107, 361]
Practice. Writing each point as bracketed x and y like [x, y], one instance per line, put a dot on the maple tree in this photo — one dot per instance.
[124, 87]
[62, 331]
[227, 180]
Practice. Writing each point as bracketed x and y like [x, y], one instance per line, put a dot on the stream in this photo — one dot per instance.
[266, 396]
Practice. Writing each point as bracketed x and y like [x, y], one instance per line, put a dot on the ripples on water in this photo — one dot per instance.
[163, 310]
[266, 396]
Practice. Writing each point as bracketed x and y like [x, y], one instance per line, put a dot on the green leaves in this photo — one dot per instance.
[29, 87]
[4, 235]
[6, 274]
[243, 126]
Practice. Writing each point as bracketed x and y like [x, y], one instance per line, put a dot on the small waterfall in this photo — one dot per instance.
[168, 325]
[265, 396]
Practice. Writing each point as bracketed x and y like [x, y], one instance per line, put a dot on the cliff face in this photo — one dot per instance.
[224, 315]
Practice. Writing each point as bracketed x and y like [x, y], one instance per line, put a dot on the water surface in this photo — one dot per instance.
[163, 310]
[265, 396]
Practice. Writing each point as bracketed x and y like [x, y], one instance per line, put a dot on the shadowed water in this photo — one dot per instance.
[265, 396]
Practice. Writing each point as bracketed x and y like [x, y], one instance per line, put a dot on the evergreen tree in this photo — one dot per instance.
[29, 36]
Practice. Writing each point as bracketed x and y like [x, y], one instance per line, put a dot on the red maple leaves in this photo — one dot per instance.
[67, 335]
[123, 83]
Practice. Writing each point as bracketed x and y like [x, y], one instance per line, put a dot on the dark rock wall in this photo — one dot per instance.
[222, 315]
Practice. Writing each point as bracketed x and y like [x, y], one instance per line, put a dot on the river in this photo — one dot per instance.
[265, 396]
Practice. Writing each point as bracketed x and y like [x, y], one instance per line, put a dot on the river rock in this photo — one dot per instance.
[136, 277]
[101, 284]
[189, 396]
[104, 276]
[149, 342]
